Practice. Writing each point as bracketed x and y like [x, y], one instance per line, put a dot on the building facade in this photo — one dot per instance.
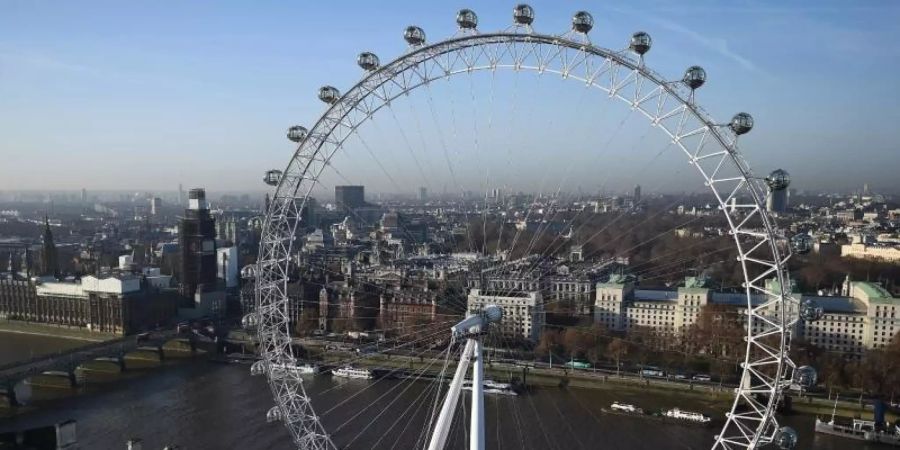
[199, 267]
[350, 197]
[865, 317]
[523, 312]
[122, 304]
[890, 253]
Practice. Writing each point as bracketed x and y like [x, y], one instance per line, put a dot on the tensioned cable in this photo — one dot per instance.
[386, 407]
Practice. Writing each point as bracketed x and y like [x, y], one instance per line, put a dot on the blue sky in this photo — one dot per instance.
[144, 95]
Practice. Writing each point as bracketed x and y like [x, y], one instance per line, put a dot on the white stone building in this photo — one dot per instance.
[865, 317]
[523, 312]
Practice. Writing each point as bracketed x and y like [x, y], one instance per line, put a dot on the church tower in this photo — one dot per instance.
[49, 263]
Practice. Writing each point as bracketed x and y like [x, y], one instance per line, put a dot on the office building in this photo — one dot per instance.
[227, 266]
[523, 312]
[864, 317]
[349, 197]
[155, 206]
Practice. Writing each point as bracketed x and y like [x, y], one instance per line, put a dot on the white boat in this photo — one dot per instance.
[491, 384]
[299, 368]
[690, 416]
[625, 407]
[491, 387]
[352, 372]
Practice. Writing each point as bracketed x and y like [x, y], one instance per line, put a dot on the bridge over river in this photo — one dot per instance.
[61, 369]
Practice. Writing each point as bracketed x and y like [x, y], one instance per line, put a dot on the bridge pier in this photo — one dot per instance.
[8, 395]
[144, 357]
[104, 365]
[180, 348]
[56, 379]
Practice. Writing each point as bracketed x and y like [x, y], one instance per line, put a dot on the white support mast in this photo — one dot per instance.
[476, 428]
[472, 328]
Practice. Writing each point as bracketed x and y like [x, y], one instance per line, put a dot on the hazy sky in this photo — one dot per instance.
[144, 95]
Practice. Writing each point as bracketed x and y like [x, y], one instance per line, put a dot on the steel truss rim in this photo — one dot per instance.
[281, 221]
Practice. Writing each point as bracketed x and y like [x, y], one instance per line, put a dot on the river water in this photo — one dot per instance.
[17, 347]
[205, 405]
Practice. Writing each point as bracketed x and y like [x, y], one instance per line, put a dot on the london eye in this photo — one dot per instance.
[668, 104]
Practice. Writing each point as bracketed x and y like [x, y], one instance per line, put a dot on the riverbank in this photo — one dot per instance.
[54, 331]
[708, 396]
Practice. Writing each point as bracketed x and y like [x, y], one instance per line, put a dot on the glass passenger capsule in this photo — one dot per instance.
[274, 414]
[741, 123]
[801, 243]
[248, 272]
[467, 19]
[329, 94]
[786, 438]
[779, 179]
[806, 376]
[810, 311]
[272, 177]
[250, 321]
[694, 77]
[297, 133]
[368, 61]
[582, 22]
[523, 14]
[258, 368]
[640, 43]
[414, 35]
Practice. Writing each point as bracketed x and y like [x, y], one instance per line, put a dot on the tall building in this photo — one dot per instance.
[227, 266]
[83, 196]
[197, 241]
[350, 197]
[49, 262]
[423, 194]
[180, 195]
[637, 194]
[155, 206]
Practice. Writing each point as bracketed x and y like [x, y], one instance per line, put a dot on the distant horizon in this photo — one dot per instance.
[414, 192]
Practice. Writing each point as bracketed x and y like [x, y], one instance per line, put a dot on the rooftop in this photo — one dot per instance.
[872, 290]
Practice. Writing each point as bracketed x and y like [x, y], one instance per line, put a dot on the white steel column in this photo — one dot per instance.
[476, 428]
[445, 419]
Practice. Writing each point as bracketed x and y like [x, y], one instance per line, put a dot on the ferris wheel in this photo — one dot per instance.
[668, 104]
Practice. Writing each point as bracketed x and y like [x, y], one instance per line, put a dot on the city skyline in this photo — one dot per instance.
[165, 98]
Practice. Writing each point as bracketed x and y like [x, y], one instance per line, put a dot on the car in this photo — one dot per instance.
[578, 365]
[702, 377]
[680, 376]
[650, 371]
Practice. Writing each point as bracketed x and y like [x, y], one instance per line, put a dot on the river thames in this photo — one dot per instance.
[198, 404]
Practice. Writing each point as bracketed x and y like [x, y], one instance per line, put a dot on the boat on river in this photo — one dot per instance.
[674, 415]
[861, 430]
[353, 372]
[690, 416]
[303, 369]
[626, 408]
[492, 387]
